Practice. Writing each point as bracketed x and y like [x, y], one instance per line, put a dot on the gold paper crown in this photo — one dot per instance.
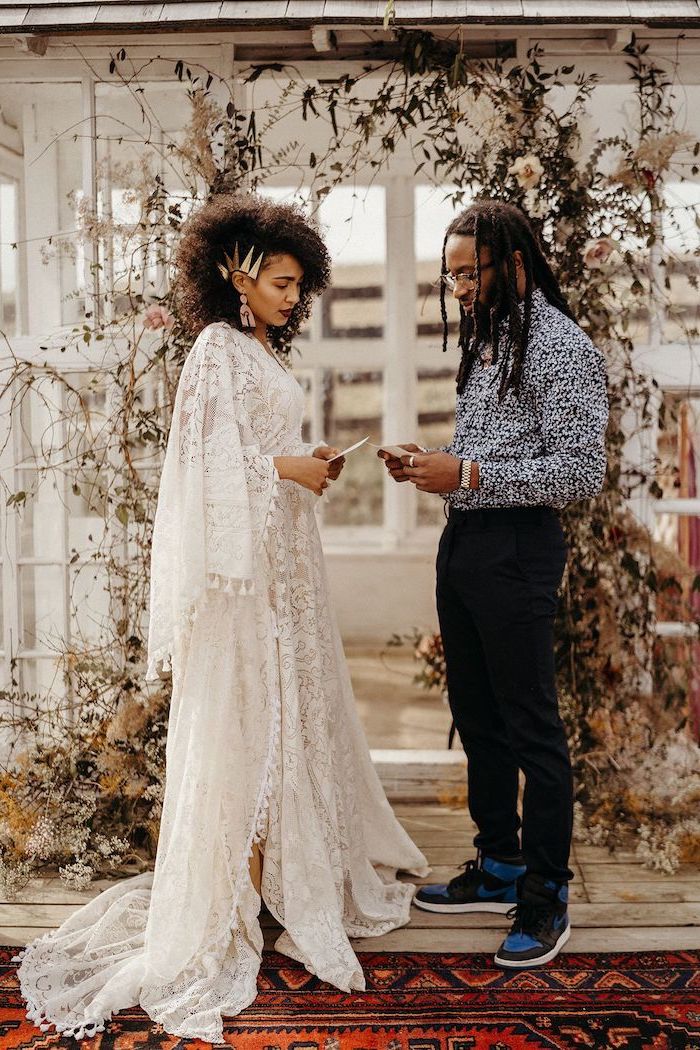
[235, 265]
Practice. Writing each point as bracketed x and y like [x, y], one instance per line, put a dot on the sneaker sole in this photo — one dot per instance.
[495, 908]
[528, 964]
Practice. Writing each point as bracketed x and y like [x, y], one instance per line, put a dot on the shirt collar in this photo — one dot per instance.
[539, 303]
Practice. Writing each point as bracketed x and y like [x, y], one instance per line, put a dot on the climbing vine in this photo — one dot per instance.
[82, 788]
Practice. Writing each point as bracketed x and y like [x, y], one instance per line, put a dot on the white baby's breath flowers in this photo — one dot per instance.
[535, 206]
[78, 875]
[42, 840]
[14, 877]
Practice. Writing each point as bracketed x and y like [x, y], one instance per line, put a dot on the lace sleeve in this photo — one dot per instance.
[216, 492]
[221, 422]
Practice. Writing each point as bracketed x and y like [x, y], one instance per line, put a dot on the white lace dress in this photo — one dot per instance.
[264, 743]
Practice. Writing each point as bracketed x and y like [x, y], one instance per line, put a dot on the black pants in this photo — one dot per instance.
[498, 573]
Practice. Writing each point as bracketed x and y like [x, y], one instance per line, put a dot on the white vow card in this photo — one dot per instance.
[358, 444]
[395, 450]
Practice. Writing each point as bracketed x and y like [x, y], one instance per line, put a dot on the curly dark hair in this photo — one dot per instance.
[202, 295]
[503, 228]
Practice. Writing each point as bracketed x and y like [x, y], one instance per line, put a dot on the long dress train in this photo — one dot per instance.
[264, 750]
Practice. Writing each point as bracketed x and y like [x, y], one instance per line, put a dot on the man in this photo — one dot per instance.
[529, 437]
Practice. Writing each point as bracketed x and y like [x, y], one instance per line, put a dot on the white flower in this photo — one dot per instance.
[597, 252]
[77, 875]
[534, 205]
[527, 170]
[42, 840]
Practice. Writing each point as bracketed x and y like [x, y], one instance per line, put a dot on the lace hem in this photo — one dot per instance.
[86, 1030]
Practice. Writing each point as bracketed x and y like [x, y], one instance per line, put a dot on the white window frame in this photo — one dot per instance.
[401, 354]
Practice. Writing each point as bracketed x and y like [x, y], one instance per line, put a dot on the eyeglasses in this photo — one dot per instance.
[452, 280]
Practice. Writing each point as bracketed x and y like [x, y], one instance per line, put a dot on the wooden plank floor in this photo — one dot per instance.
[616, 903]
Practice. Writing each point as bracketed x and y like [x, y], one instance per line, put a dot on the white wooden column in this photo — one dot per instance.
[400, 335]
[89, 181]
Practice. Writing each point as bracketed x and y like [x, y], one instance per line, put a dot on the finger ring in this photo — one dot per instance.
[411, 461]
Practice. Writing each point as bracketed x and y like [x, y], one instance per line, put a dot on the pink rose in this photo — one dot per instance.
[597, 252]
[158, 316]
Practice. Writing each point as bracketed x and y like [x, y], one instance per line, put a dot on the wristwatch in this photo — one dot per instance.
[467, 473]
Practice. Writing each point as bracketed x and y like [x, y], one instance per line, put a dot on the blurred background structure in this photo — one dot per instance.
[72, 136]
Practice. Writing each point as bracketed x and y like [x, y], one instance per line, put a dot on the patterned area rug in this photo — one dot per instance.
[428, 1001]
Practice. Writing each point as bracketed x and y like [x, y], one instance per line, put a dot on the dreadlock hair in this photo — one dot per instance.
[503, 228]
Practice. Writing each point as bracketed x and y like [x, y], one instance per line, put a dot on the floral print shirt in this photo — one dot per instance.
[545, 445]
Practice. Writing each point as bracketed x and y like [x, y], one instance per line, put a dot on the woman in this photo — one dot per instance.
[270, 790]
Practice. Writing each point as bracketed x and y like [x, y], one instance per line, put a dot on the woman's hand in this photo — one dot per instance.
[326, 452]
[310, 472]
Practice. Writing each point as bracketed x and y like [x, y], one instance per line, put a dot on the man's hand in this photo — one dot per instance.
[334, 468]
[432, 471]
[395, 466]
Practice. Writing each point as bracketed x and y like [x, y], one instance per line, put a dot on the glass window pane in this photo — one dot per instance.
[435, 399]
[51, 132]
[682, 249]
[39, 420]
[40, 524]
[41, 606]
[151, 168]
[8, 256]
[69, 422]
[89, 600]
[434, 210]
[86, 523]
[71, 207]
[354, 222]
[352, 409]
[85, 406]
[42, 677]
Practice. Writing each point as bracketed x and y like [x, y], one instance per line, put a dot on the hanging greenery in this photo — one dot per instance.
[82, 788]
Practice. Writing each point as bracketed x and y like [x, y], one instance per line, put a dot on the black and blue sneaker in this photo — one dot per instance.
[540, 924]
[484, 885]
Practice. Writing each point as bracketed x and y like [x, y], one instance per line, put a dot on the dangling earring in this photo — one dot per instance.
[247, 315]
